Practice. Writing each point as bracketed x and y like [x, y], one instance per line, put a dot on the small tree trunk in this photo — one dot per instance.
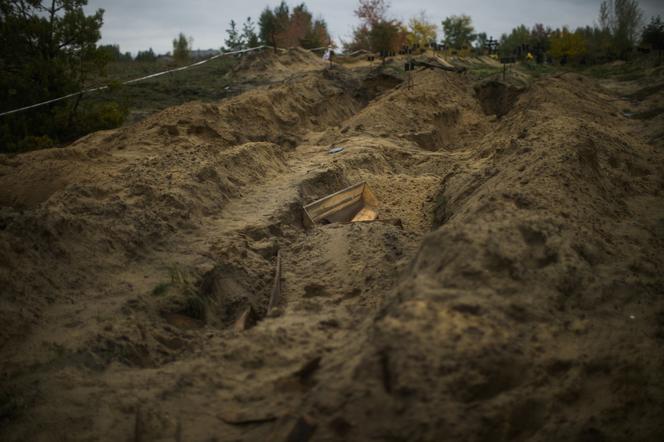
[72, 113]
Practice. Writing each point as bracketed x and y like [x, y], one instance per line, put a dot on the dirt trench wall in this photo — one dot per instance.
[516, 295]
[497, 97]
[534, 297]
[122, 191]
[440, 115]
[89, 224]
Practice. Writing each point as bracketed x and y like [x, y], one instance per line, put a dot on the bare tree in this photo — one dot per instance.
[372, 11]
[623, 19]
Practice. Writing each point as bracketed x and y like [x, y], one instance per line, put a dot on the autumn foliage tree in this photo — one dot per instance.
[283, 27]
[615, 36]
[567, 44]
[376, 31]
[421, 31]
[372, 11]
[385, 35]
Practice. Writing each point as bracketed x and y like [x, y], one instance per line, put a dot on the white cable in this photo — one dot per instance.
[135, 80]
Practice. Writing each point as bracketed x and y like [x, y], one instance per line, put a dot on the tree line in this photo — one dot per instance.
[618, 34]
[278, 27]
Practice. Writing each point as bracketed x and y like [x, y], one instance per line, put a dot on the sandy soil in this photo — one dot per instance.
[519, 298]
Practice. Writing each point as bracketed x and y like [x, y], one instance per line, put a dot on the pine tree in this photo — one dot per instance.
[283, 27]
[235, 41]
[47, 49]
[269, 28]
[249, 34]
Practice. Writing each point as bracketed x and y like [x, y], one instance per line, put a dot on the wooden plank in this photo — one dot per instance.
[275, 296]
[246, 320]
[366, 214]
[342, 206]
[336, 201]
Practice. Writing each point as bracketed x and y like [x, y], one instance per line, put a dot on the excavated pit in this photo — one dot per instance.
[352, 204]
[522, 273]
[497, 97]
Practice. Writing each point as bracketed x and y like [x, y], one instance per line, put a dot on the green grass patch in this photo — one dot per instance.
[182, 295]
[161, 288]
[632, 70]
[538, 70]
[195, 306]
[482, 72]
[207, 83]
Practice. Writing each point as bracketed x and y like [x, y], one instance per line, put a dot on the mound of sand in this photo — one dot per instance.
[442, 114]
[518, 296]
[266, 65]
[534, 297]
[119, 194]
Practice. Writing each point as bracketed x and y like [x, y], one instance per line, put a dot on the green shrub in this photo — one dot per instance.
[161, 288]
[89, 117]
[101, 116]
[31, 143]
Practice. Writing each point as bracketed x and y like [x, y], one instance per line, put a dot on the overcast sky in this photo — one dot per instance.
[140, 24]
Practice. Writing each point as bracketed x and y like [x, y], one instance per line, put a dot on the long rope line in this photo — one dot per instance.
[135, 80]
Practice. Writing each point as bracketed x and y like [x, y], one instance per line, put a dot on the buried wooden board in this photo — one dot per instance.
[352, 204]
[275, 296]
[365, 214]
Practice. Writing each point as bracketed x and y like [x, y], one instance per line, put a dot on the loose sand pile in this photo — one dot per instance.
[266, 65]
[518, 297]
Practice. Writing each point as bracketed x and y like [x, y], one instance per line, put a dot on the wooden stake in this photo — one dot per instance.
[275, 296]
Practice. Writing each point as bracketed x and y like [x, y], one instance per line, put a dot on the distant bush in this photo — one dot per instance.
[31, 143]
[102, 116]
[148, 55]
[182, 48]
[90, 117]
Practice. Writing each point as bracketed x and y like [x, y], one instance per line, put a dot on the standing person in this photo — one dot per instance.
[329, 53]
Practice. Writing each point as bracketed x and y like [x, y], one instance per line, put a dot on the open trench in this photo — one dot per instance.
[178, 344]
[258, 370]
[170, 318]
